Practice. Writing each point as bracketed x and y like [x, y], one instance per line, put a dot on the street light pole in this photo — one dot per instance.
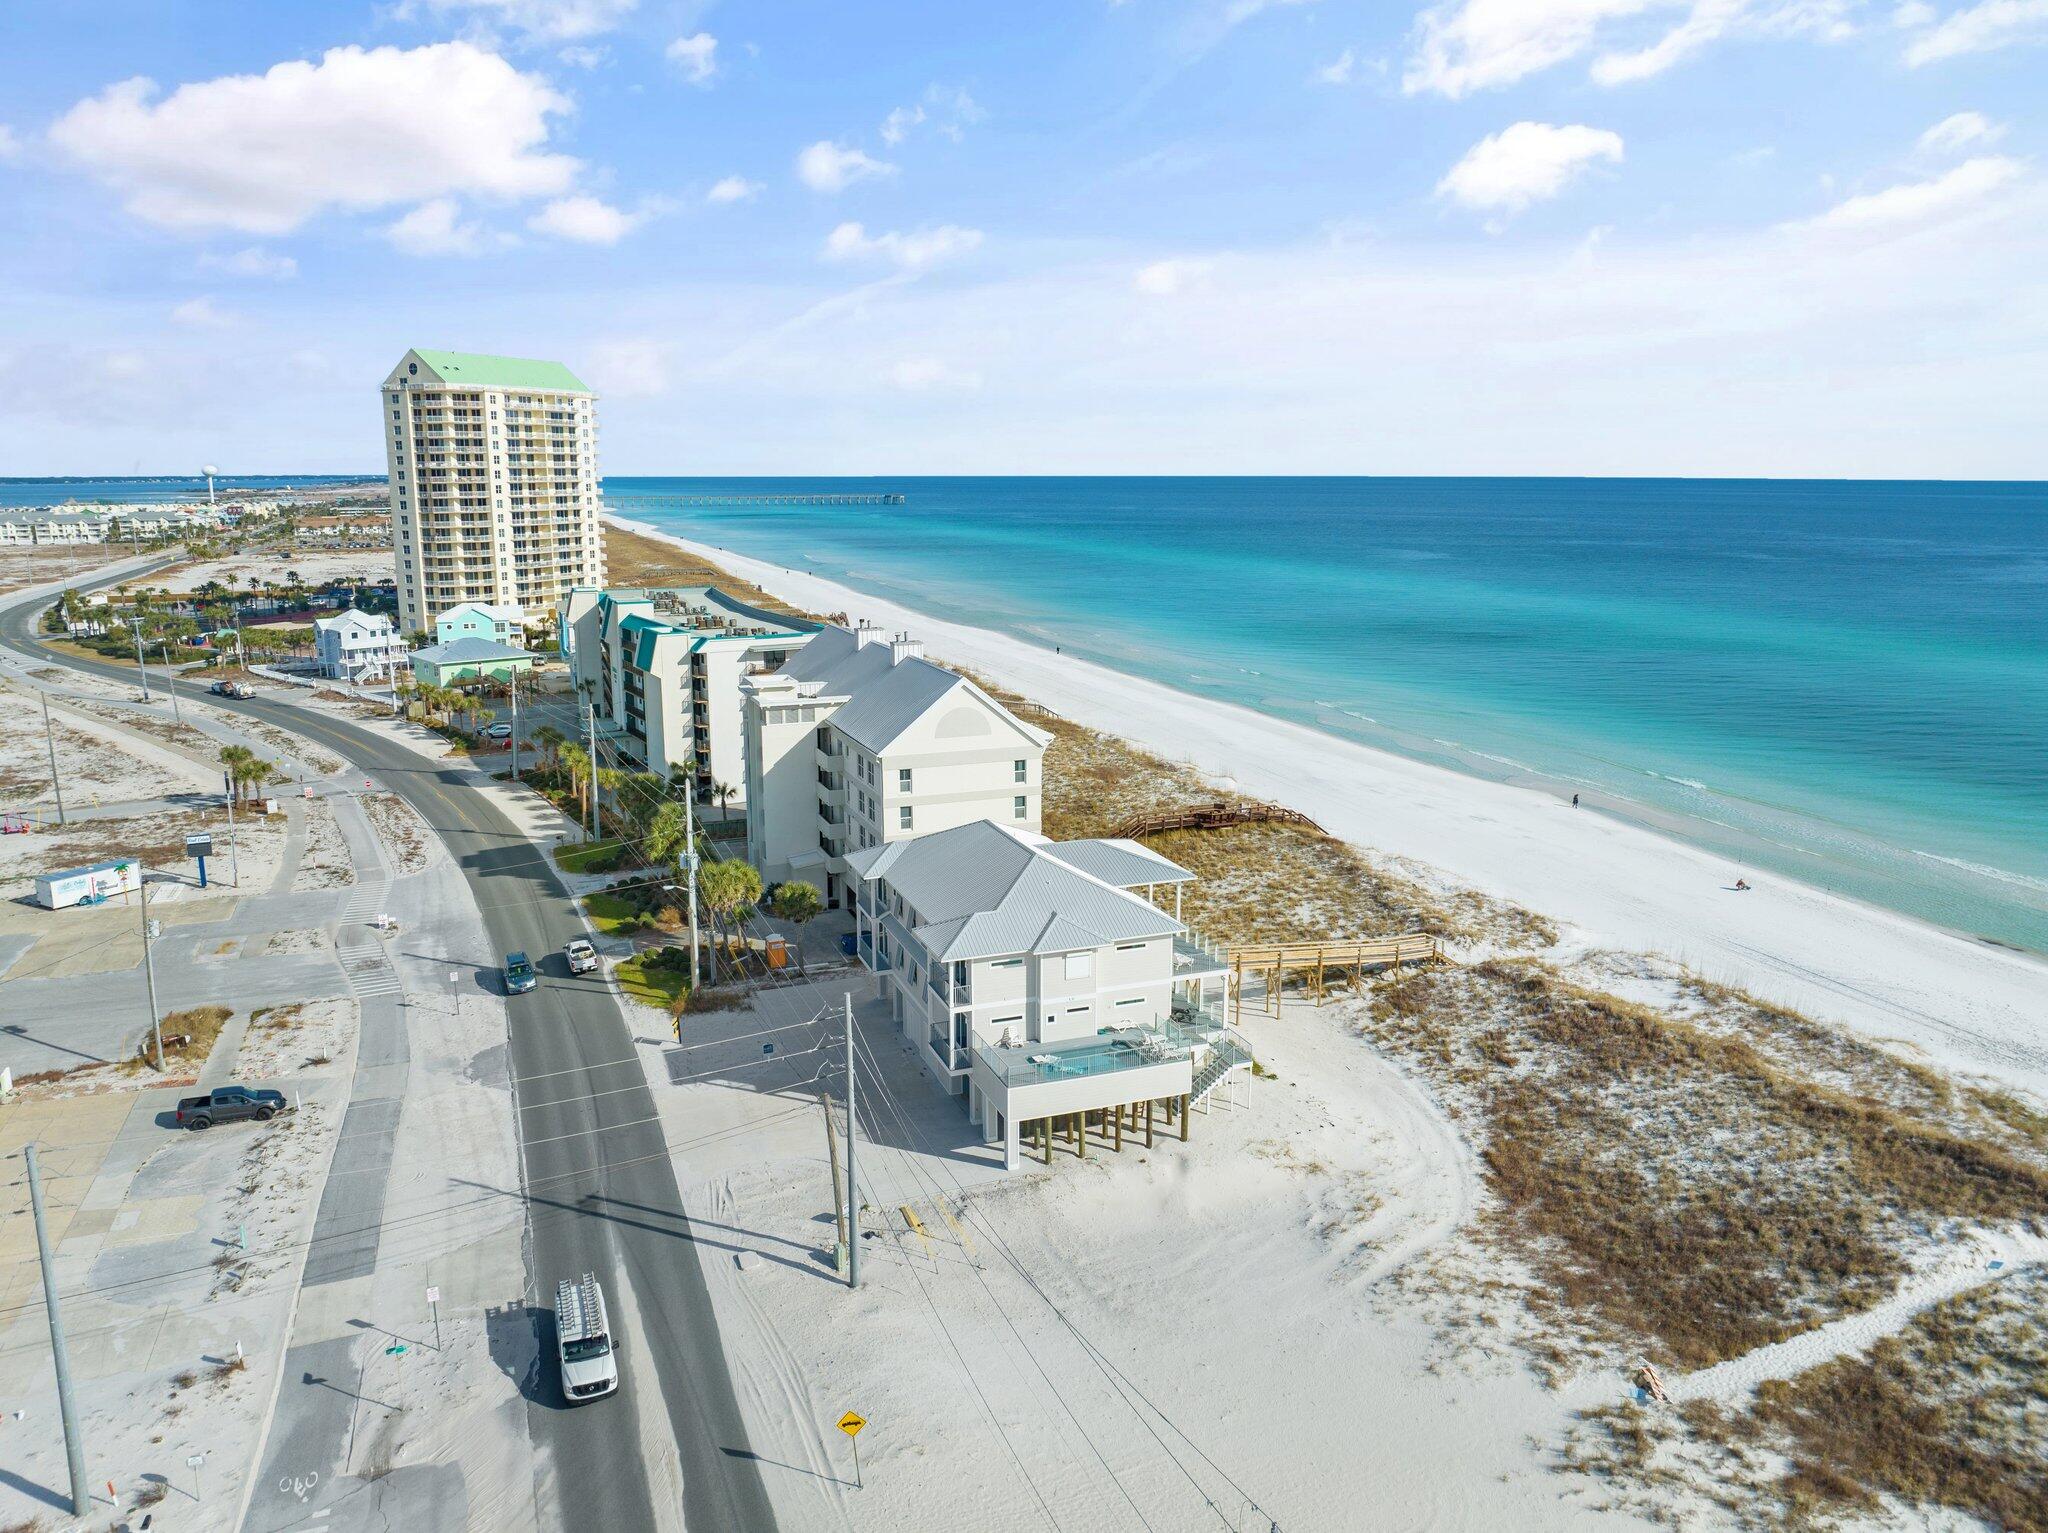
[515, 726]
[136, 622]
[852, 1187]
[50, 739]
[171, 681]
[74, 1444]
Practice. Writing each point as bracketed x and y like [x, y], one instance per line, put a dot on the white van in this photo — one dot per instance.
[583, 1339]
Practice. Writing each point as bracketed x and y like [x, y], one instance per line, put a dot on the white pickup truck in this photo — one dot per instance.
[583, 1337]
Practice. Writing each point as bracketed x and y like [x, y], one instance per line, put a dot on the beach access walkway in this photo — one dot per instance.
[1317, 962]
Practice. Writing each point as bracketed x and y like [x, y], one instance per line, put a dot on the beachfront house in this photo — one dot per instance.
[662, 670]
[442, 665]
[500, 623]
[1033, 978]
[859, 741]
[357, 646]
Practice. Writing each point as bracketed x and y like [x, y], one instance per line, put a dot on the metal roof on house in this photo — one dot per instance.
[884, 696]
[369, 622]
[1120, 861]
[984, 891]
[474, 370]
[469, 651]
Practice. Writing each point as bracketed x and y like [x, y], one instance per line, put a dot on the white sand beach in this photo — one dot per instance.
[1966, 1005]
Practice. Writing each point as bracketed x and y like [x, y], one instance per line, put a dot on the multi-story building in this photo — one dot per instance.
[859, 741]
[39, 524]
[358, 646]
[481, 620]
[494, 493]
[1030, 975]
[663, 669]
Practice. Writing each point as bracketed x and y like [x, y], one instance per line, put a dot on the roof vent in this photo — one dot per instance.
[902, 647]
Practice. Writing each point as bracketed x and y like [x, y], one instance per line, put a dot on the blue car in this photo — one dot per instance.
[519, 975]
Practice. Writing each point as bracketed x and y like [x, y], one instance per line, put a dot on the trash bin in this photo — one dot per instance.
[846, 943]
[777, 950]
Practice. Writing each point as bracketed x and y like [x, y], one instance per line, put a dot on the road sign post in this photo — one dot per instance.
[434, 1304]
[850, 1424]
[192, 1462]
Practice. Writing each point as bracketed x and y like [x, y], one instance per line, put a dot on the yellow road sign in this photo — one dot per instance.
[851, 1424]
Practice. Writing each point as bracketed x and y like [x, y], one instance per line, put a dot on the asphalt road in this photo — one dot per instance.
[604, 1196]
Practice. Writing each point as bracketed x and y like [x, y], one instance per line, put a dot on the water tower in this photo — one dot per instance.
[209, 471]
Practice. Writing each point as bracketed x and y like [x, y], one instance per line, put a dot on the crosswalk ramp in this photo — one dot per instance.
[366, 899]
[369, 972]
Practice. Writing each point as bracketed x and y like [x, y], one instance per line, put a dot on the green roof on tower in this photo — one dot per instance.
[477, 371]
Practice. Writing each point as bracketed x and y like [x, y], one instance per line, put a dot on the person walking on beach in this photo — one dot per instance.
[1575, 801]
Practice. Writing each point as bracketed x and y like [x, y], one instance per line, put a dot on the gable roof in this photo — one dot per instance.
[476, 370]
[469, 651]
[1119, 861]
[984, 891]
[369, 622]
[884, 698]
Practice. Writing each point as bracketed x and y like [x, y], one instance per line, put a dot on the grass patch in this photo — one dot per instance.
[198, 1026]
[658, 977]
[604, 855]
[612, 913]
[1674, 1189]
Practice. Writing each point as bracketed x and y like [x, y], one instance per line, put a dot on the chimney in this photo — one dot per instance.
[866, 633]
[902, 647]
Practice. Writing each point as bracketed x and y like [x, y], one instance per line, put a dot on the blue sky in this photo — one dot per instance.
[1478, 236]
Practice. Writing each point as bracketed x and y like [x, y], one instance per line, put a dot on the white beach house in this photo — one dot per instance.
[663, 669]
[859, 741]
[1032, 977]
[358, 646]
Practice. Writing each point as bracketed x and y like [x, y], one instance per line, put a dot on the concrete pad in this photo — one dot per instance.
[158, 1220]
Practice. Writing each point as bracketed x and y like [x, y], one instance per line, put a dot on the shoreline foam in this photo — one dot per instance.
[1965, 1003]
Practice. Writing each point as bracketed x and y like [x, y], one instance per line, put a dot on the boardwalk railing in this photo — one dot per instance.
[1214, 817]
[1314, 963]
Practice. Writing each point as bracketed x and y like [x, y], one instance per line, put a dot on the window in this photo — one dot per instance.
[1129, 947]
[1007, 963]
[1020, 807]
[1020, 771]
[903, 779]
[959, 973]
[1080, 965]
[1136, 1000]
[903, 817]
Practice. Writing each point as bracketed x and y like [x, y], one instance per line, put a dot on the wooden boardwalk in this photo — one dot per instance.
[1214, 817]
[1316, 963]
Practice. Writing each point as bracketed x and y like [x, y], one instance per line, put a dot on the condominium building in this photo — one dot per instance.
[859, 741]
[1031, 976]
[494, 496]
[662, 669]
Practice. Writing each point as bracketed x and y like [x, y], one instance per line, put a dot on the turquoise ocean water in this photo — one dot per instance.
[1842, 681]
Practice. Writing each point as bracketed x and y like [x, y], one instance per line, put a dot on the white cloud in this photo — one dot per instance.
[585, 220]
[264, 153]
[918, 375]
[1913, 13]
[732, 189]
[541, 20]
[1162, 279]
[201, 313]
[897, 125]
[585, 55]
[949, 109]
[696, 56]
[1916, 204]
[437, 228]
[10, 146]
[628, 369]
[1958, 132]
[1529, 162]
[829, 167]
[253, 262]
[913, 251]
[1981, 28]
[1460, 46]
[1338, 71]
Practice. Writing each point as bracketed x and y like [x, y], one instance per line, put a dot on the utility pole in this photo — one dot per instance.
[515, 726]
[234, 851]
[156, 1026]
[690, 866]
[590, 714]
[50, 740]
[139, 665]
[74, 1445]
[852, 1187]
[171, 680]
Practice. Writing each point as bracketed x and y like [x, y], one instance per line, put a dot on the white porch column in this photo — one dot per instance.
[1009, 1142]
[973, 1103]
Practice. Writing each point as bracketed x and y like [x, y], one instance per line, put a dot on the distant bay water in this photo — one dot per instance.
[158, 489]
[1842, 681]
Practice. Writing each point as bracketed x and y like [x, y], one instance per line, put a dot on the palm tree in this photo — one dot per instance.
[550, 740]
[728, 888]
[608, 781]
[797, 903]
[577, 760]
[723, 791]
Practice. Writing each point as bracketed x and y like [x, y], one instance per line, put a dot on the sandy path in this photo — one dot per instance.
[1968, 1005]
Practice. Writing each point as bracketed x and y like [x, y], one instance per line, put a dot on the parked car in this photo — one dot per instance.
[519, 975]
[581, 955]
[583, 1340]
[232, 689]
[229, 1104]
[498, 732]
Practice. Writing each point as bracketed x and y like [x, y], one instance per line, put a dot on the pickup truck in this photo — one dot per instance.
[581, 955]
[229, 1104]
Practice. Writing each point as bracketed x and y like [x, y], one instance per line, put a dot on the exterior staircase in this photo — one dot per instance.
[1226, 1054]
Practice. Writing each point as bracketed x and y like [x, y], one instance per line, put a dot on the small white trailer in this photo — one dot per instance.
[88, 886]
